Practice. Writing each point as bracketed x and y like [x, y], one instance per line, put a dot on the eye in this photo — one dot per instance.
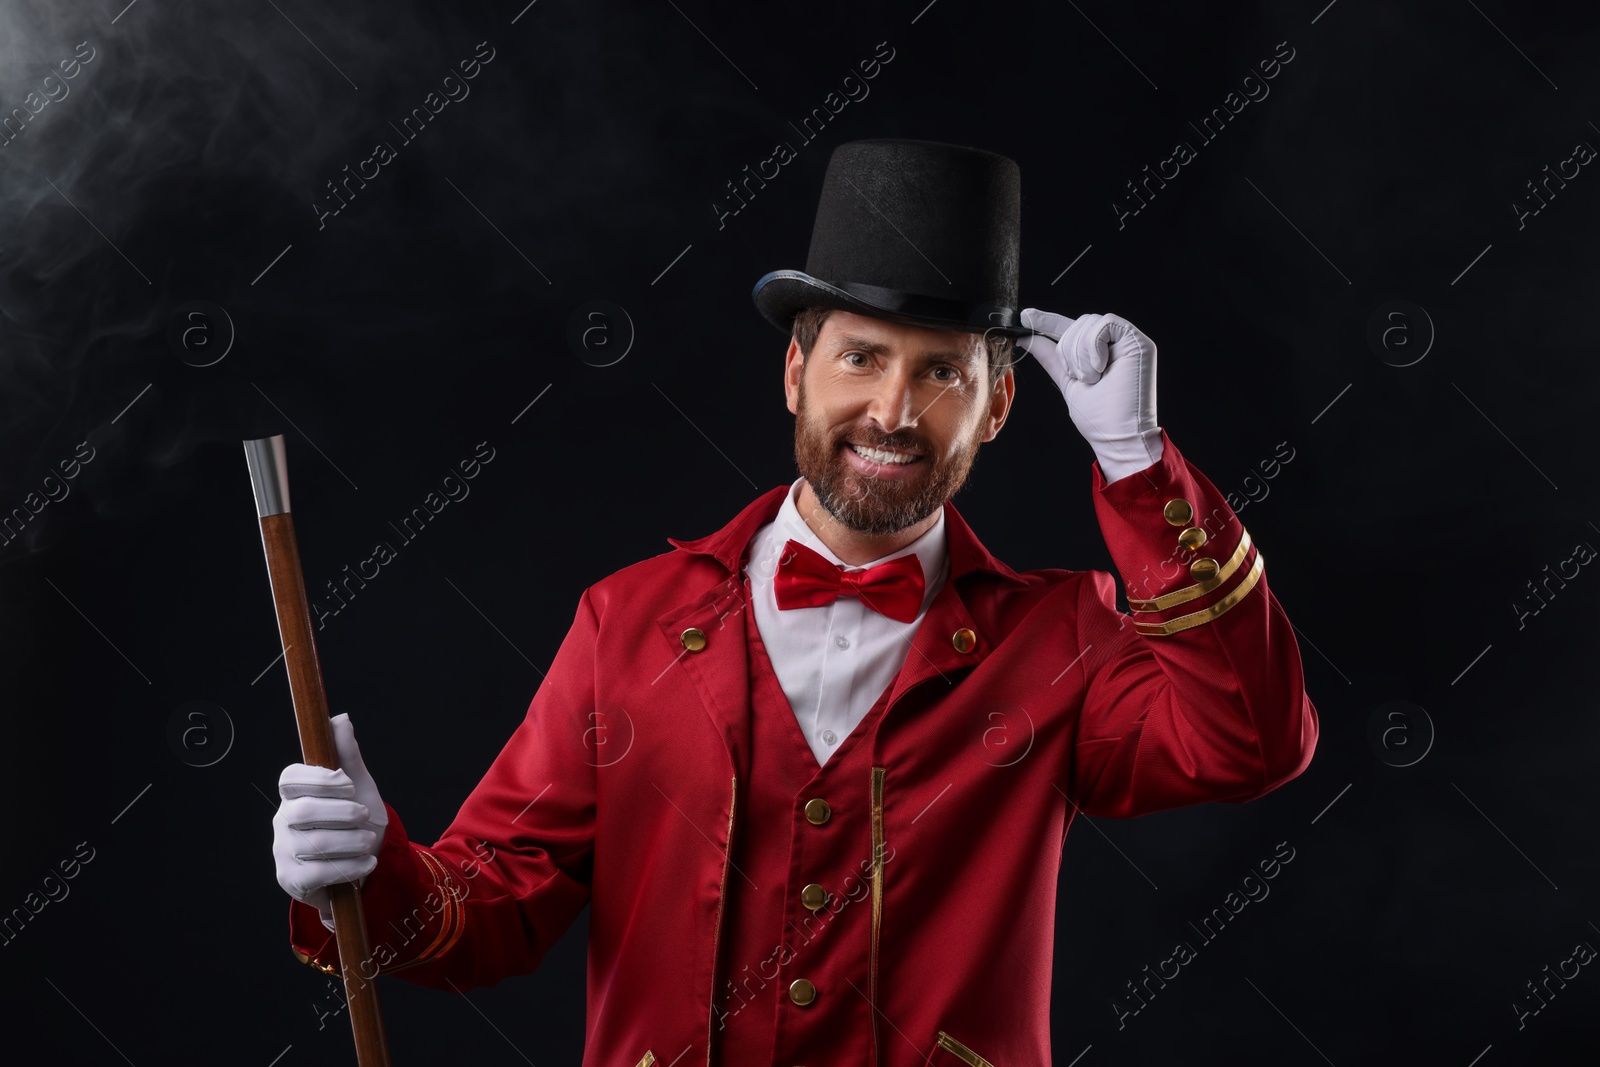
[863, 355]
[955, 372]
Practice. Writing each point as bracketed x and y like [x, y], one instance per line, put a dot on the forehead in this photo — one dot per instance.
[882, 335]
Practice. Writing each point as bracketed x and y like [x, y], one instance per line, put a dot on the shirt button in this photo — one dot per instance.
[802, 992]
[829, 736]
[842, 641]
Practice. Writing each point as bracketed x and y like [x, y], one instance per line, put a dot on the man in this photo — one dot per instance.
[812, 773]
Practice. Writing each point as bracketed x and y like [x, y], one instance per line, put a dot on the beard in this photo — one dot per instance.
[869, 505]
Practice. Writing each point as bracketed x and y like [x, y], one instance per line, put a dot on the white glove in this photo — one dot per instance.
[1106, 370]
[330, 824]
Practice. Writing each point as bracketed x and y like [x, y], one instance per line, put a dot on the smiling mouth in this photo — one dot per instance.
[884, 456]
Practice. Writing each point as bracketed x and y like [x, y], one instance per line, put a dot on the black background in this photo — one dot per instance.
[435, 308]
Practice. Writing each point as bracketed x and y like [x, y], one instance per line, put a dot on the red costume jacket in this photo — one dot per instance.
[1023, 699]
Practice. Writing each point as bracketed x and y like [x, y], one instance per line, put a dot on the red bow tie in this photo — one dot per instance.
[806, 579]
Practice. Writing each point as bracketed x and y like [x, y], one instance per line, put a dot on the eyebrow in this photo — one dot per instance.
[879, 348]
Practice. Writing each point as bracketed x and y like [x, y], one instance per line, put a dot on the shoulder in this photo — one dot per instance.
[1041, 597]
[659, 582]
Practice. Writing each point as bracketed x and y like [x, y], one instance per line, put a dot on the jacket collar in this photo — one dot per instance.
[719, 670]
[729, 544]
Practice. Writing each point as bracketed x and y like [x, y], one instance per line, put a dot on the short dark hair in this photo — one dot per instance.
[1002, 348]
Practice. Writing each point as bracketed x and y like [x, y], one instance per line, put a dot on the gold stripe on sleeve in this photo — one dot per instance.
[961, 1052]
[1198, 589]
[1205, 615]
[447, 911]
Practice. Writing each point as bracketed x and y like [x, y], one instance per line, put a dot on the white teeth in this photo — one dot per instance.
[878, 455]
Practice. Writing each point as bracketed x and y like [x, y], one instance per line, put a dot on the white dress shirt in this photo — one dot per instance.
[834, 661]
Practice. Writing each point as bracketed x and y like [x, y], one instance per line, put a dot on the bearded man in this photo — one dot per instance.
[813, 772]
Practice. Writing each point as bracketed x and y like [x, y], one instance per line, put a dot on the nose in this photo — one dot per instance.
[894, 403]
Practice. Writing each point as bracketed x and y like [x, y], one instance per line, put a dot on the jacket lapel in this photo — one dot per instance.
[719, 670]
[934, 650]
[933, 653]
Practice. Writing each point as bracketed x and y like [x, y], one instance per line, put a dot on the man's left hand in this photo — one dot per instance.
[1106, 370]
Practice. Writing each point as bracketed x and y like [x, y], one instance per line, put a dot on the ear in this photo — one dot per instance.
[999, 404]
[793, 368]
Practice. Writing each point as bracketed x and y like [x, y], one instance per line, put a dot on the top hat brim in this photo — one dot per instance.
[782, 294]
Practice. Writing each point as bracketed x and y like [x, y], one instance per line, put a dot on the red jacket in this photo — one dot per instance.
[1024, 698]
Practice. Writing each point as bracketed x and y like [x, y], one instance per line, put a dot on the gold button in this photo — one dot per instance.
[802, 992]
[694, 639]
[964, 640]
[814, 896]
[1192, 538]
[1204, 569]
[1178, 512]
[817, 811]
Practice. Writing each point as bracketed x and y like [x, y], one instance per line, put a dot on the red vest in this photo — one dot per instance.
[773, 937]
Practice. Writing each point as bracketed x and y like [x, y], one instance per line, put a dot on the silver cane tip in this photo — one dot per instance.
[269, 475]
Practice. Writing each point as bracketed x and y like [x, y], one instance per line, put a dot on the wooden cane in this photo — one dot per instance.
[269, 477]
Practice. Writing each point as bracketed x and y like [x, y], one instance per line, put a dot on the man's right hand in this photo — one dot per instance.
[330, 825]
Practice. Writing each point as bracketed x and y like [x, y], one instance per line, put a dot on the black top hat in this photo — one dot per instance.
[920, 231]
